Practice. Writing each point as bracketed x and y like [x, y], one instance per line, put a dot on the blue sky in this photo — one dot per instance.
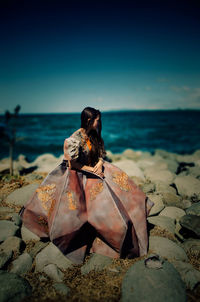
[61, 56]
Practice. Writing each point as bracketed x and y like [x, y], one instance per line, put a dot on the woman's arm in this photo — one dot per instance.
[77, 165]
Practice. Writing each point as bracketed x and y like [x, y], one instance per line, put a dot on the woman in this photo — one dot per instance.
[87, 204]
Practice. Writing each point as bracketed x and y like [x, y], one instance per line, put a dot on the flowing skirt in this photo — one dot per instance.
[81, 213]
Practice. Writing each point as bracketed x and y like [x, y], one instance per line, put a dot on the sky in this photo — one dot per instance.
[62, 56]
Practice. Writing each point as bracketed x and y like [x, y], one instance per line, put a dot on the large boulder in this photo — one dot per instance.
[7, 229]
[13, 287]
[164, 222]
[21, 196]
[167, 248]
[191, 223]
[146, 284]
[130, 167]
[96, 262]
[188, 186]
[51, 255]
[194, 209]
[172, 212]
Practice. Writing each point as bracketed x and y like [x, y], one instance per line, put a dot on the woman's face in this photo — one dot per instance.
[96, 123]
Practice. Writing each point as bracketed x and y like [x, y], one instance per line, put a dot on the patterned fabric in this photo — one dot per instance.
[81, 212]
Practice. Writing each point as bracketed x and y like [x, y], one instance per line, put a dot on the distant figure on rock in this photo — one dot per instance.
[87, 204]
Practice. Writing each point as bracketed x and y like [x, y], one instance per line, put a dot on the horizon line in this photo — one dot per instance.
[112, 110]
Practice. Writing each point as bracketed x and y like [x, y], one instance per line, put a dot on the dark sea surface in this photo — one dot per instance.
[173, 130]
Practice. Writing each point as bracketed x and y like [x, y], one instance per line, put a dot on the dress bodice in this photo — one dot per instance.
[78, 146]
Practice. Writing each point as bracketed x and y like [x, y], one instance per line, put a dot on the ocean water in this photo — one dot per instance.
[174, 130]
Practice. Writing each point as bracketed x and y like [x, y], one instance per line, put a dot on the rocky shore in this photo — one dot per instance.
[32, 270]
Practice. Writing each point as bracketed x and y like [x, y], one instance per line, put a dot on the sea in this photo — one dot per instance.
[145, 130]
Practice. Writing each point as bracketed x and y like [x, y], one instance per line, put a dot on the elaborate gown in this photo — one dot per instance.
[81, 212]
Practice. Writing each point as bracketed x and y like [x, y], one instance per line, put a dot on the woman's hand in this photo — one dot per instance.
[98, 168]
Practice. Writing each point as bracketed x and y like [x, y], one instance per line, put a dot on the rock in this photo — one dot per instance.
[145, 284]
[191, 223]
[28, 235]
[12, 243]
[189, 274]
[6, 210]
[148, 188]
[167, 248]
[16, 219]
[39, 245]
[22, 264]
[96, 262]
[187, 186]
[130, 168]
[165, 154]
[154, 174]
[7, 229]
[13, 287]
[172, 212]
[192, 245]
[5, 257]
[158, 204]
[53, 272]
[21, 196]
[61, 288]
[185, 204]
[194, 209]
[163, 187]
[46, 163]
[51, 255]
[131, 154]
[164, 222]
[171, 199]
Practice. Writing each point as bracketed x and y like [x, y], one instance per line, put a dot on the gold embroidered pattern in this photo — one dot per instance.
[121, 178]
[45, 194]
[95, 190]
[98, 241]
[72, 201]
[43, 222]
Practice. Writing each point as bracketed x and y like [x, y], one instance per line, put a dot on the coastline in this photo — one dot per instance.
[170, 180]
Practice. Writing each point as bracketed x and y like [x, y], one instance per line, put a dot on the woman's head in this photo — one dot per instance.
[91, 120]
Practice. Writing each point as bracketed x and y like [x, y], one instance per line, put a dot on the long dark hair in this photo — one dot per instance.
[88, 115]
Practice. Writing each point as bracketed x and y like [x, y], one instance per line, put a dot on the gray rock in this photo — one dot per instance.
[194, 209]
[172, 212]
[53, 272]
[28, 235]
[171, 199]
[189, 274]
[158, 204]
[39, 245]
[188, 186]
[22, 264]
[61, 288]
[96, 262]
[148, 187]
[145, 284]
[6, 210]
[12, 243]
[22, 195]
[191, 223]
[7, 229]
[154, 175]
[13, 287]
[51, 254]
[130, 167]
[164, 222]
[163, 187]
[192, 245]
[167, 248]
[16, 219]
[185, 204]
[5, 257]
[131, 154]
